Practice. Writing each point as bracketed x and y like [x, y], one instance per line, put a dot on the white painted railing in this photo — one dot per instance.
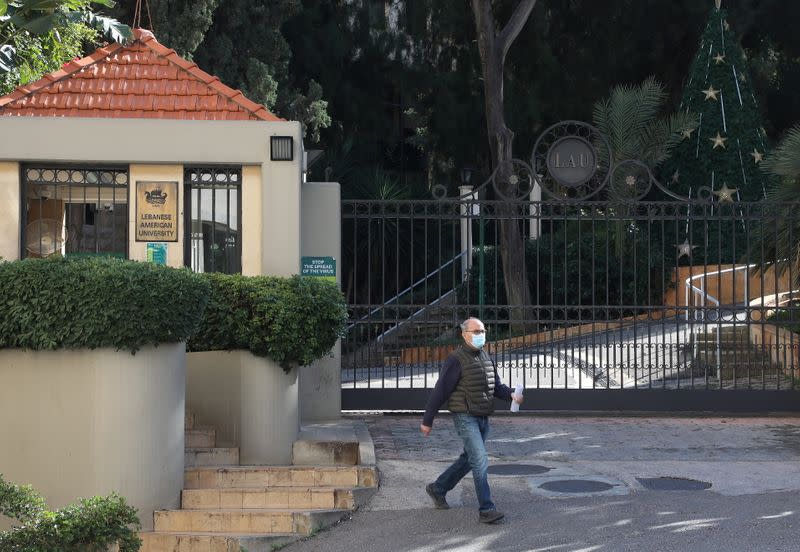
[702, 294]
[410, 289]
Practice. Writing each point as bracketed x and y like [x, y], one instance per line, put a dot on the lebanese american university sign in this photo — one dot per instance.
[156, 211]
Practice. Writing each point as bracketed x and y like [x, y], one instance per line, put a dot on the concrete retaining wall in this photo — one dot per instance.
[83, 423]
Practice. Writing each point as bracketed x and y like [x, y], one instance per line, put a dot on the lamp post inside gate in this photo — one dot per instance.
[468, 211]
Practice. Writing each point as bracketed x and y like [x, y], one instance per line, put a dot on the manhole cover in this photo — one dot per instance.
[517, 469]
[672, 484]
[576, 486]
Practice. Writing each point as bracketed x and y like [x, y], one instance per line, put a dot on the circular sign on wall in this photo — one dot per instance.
[571, 161]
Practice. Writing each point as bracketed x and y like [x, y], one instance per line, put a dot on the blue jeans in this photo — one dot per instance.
[473, 430]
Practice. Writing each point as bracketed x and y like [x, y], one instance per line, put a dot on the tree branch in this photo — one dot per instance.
[515, 24]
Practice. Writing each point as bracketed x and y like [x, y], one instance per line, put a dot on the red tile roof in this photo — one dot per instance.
[144, 79]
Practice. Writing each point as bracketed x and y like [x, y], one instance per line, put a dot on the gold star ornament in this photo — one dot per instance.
[685, 248]
[719, 58]
[687, 133]
[719, 141]
[711, 94]
[725, 194]
[758, 157]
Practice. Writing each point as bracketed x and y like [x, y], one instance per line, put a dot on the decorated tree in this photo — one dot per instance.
[724, 152]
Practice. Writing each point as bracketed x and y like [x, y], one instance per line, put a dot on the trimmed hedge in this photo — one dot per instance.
[59, 303]
[293, 321]
[90, 525]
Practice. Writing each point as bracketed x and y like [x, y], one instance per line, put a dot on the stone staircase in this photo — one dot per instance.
[226, 507]
[726, 353]
[431, 324]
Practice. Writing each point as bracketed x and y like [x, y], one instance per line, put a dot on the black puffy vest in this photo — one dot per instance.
[474, 393]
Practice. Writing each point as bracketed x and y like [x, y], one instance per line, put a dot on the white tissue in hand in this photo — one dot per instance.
[518, 392]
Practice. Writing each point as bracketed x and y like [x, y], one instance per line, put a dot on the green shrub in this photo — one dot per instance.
[58, 303]
[90, 525]
[293, 321]
[787, 316]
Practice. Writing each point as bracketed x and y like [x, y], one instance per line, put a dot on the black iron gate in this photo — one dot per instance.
[637, 299]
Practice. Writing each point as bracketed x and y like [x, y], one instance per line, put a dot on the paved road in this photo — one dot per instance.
[752, 465]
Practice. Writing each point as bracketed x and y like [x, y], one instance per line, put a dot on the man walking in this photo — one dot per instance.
[469, 383]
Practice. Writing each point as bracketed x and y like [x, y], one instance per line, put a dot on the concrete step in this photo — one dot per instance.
[742, 330]
[735, 353]
[210, 542]
[735, 356]
[313, 498]
[233, 521]
[200, 437]
[745, 340]
[217, 456]
[325, 453]
[279, 476]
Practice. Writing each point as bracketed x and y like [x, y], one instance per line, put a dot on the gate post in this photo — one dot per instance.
[535, 210]
[465, 210]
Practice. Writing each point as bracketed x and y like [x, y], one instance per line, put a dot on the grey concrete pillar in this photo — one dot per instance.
[321, 236]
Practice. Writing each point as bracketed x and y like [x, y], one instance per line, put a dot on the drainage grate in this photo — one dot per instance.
[672, 484]
[517, 469]
[576, 486]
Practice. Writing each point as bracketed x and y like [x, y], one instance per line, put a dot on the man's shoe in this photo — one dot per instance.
[490, 516]
[438, 499]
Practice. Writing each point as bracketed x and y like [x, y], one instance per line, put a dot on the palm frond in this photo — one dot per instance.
[111, 29]
[624, 107]
[785, 159]
[661, 136]
[627, 115]
[601, 115]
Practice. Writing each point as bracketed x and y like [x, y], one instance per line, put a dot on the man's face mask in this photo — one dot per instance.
[478, 340]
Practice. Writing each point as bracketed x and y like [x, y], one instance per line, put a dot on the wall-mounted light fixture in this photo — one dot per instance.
[281, 148]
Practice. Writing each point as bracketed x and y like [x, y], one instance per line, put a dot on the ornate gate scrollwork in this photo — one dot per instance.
[573, 161]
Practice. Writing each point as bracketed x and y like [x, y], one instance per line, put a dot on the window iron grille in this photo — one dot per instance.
[213, 219]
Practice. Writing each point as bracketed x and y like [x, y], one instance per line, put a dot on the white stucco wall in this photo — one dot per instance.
[157, 150]
[9, 211]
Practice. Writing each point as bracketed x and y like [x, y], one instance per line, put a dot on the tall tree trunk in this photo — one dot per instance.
[493, 47]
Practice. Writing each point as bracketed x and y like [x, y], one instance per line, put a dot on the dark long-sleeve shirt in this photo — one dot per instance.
[451, 373]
